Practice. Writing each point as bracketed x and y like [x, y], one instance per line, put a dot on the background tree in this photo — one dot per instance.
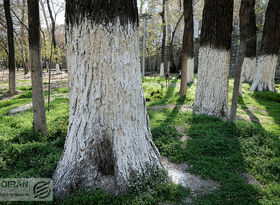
[249, 64]
[247, 47]
[108, 137]
[211, 96]
[163, 44]
[266, 64]
[11, 47]
[188, 47]
[38, 101]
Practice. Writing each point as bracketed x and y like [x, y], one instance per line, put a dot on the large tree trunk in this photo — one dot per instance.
[246, 9]
[11, 46]
[109, 137]
[187, 67]
[214, 55]
[249, 64]
[266, 64]
[163, 44]
[38, 101]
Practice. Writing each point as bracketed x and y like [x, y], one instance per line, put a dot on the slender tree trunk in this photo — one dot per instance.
[246, 16]
[11, 46]
[211, 96]
[266, 64]
[188, 46]
[173, 68]
[38, 101]
[53, 24]
[249, 64]
[22, 40]
[163, 44]
[109, 137]
[168, 28]
[45, 15]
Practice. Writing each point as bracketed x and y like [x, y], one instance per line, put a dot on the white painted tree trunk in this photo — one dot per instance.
[249, 69]
[109, 136]
[161, 69]
[190, 70]
[211, 96]
[265, 76]
[57, 70]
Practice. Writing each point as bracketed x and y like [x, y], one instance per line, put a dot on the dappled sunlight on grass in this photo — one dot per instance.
[214, 149]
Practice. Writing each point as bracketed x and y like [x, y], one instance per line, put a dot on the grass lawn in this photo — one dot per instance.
[214, 149]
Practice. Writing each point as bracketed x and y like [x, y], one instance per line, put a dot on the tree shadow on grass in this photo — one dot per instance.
[251, 115]
[271, 101]
[169, 94]
[216, 150]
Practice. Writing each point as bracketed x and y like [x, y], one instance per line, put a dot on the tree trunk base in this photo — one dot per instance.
[212, 84]
[109, 138]
[249, 70]
[264, 79]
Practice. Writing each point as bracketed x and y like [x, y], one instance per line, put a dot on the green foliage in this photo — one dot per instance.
[24, 153]
[222, 151]
[166, 138]
[215, 149]
[269, 96]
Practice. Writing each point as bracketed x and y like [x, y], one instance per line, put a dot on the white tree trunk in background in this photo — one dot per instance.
[57, 68]
[190, 70]
[109, 136]
[211, 96]
[161, 69]
[265, 75]
[249, 69]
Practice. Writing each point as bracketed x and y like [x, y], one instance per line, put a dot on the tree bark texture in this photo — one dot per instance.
[187, 48]
[109, 138]
[264, 78]
[38, 101]
[11, 48]
[245, 15]
[249, 64]
[214, 55]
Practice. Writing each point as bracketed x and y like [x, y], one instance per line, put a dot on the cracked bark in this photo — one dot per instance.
[109, 138]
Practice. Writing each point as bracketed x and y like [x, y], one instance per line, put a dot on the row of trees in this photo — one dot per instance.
[14, 27]
[214, 54]
[165, 29]
[109, 138]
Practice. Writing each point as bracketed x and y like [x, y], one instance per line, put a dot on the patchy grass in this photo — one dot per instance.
[25, 154]
[217, 149]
